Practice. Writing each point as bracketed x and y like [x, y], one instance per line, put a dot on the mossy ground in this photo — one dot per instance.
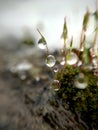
[85, 101]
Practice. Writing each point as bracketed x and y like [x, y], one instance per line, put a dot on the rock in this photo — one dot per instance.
[30, 104]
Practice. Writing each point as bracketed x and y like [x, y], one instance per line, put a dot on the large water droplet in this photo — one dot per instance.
[71, 58]
[41, 44]
[80, 81]
[50, 61]
[62, 62]
[56, 85]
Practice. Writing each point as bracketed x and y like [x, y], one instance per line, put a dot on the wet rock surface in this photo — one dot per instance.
[26, 100]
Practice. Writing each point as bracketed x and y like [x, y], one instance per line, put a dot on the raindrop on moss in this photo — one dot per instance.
[72, 58]
[50, 61]
[41, 44]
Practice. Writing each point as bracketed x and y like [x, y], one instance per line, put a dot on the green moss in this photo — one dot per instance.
[85, 101]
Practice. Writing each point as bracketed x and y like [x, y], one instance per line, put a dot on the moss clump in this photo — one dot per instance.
[78, 85]
[85, 101]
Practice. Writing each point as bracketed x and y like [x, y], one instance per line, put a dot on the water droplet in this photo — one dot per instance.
[62, 62]
[56, 69]
[41, 44]
[72, 58]
[50, 61]
[80, 81]
[56, 85]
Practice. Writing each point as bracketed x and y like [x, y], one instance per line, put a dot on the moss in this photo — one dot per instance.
[78, 85]
[85, 101]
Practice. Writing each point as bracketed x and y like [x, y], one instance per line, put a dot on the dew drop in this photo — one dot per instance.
[56, 85]
[62, 62]
[41, 44]
[80, 81]
[56, 69]
[50, 61]
[72, 58]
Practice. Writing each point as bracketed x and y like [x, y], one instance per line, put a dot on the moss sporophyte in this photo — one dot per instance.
[76, 73]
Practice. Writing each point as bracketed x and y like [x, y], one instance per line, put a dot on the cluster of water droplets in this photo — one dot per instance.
[50, 59]
[70, 58]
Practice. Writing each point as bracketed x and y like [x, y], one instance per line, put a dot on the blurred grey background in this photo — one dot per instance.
[48, 16]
